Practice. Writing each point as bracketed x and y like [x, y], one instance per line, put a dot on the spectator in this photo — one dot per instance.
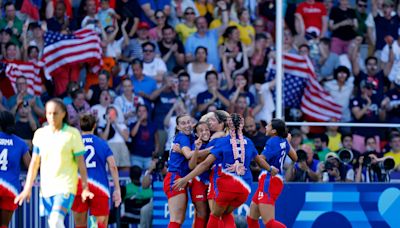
[172, 50]
[12, 22]
[311, 19]
[143, 84]
[205, 9]
[114, 47]
[153, 66]
[364, 172]
[116, 134]
[390, 57]
[391, 103]
[138, 198]
[93, 94]
[240, 88]
[24, 98]
[26, 125]
[144, 139]
[107, 15]
[179, 9]
[207, 38]
[3, 102]
[264, 44]
[333, 170]
[240, 106]
[371, 145]
[246, 29]
[60, 22]
[334, 138]
[341, 90]
[185, 94]
[321, 142]
[99, 110]
[213, 95]
[71, 88]
[395, 150]
[305, 169]
[187, 27]
[77, 108]
[128, 102]
[170, 123]
[361, 15]
[149, 8]
[288, 42]
[234, 55]
[197, 70]
[250, 130]
[155, 33]
[5, 35]
[327, 62]
[347, 143]
[386, 24]
[343, 24]
[365, 110]
[91, 20]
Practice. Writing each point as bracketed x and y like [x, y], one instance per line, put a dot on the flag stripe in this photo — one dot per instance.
[31, 71]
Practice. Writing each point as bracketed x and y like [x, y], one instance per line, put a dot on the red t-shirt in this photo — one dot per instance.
[312, 15]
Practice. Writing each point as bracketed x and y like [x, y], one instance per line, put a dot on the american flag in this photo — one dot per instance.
[81, 46]
[30, 70]
[301, 89]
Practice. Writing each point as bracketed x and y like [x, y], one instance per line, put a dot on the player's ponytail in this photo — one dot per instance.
[7, 122]
[280, 127]
[235, 124]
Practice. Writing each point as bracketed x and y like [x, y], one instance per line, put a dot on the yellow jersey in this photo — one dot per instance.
[396, 157]
[184, 31]
[58, 166]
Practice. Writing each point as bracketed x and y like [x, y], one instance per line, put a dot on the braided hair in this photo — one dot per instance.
[235, 124]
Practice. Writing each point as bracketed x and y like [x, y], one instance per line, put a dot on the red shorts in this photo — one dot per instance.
[271, 194]
[99, 205]
[234, 199]
[198, 190]
[7, 199]
[169, 182]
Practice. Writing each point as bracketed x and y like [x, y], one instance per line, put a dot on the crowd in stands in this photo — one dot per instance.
[165, 58]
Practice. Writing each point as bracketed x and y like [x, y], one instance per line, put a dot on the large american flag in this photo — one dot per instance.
[302, 90]
[30, 70]
[81, 46]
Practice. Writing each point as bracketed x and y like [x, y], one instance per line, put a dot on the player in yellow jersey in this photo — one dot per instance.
[58, 149]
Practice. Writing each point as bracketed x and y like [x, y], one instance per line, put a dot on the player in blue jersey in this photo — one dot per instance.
[270, 187]
[97, 155]
[178, 167]
[233, 178]
[12, 150]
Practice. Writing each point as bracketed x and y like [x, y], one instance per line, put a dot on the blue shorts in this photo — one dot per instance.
[60, 203]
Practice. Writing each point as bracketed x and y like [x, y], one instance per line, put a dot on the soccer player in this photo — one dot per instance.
[97, 155]
[12, 150]
[269, 186]
[58, 150]
[177, 168]
[233, 179]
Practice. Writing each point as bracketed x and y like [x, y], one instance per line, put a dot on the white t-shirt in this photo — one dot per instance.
[269, 105]
[87, 22]
[396, 64]
[170, 133]
[127, 106]
[114, 48]
[151, 69]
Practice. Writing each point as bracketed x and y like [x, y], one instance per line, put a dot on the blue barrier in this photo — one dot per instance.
[300, 205]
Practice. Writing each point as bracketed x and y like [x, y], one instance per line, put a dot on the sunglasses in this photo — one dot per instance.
[148, 50]
[189, 13]
[159, 17]
[362, 5]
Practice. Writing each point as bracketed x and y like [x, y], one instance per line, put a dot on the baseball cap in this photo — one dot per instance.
[331, 154]
[143, 25]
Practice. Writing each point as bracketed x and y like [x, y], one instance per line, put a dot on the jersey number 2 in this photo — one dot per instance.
[3, 159]
[89, 163]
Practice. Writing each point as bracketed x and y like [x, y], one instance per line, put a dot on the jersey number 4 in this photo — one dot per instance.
[3, 159]
[89, 163]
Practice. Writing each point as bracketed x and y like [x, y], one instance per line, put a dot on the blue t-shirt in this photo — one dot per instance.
[275, 152]
[12, 149]
[144, 140]
[206, 96]
[147, 85]
[97, 152]
[161, 107]
[251, 102]
[223, 152]
[177, 162]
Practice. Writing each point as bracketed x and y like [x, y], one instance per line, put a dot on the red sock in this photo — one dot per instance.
[274, 224]
[3, 226]
[252, 223]
[213, 221]
[78, 226]
[199, 222]
[174, 225]
[229, 220]
[101, 225]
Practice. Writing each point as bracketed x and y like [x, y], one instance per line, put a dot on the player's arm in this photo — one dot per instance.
[26, 159]
[259, 159]
[115, 177]
[200, 168]
[83, 172]
[30, 178]
[292, 154]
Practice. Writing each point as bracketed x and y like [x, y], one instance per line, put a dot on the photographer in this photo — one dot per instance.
[333, 170]
[370, 168]
[305, 169]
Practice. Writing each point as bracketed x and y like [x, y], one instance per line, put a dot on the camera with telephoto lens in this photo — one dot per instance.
[301, 155]
[387, 164]
[367, 160]
[345, 156]
[329, 165]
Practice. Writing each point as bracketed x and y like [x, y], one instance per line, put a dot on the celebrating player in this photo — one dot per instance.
[58, 149]
[270, 187]
[12, 150]
[97, 155]
[233, 179]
